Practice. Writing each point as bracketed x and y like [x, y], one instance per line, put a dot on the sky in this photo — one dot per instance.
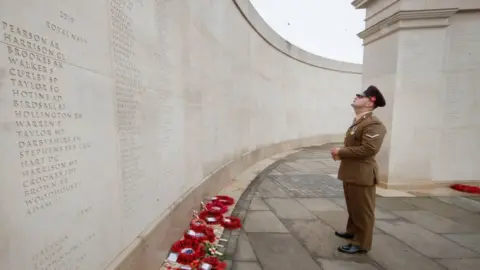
[327, 28]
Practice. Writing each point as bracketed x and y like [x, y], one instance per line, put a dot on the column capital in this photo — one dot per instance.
[407, 19]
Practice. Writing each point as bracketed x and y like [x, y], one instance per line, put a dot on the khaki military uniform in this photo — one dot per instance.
[359, 171]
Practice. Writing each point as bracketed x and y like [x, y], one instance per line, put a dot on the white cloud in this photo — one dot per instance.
[325, 27]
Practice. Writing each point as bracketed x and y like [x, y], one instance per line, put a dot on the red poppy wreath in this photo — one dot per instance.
[200, 234]
[231, 223]
[210, 218]
[466, 188]
[225, 200]
[197, 224]
[188, 251]
[212, 263]
[216, 208]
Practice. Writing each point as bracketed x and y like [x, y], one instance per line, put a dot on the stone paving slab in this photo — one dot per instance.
[316, 236]
[462, 202]
[395, 204]
[281, 251]
[381, 213]
[244, 251]
[302, 167]
[470, 220]
[246, 266]
[344, 265]
[284, 168]
[471, 241]
[460, 264]
[291, 210]
[424, 241]
[335, 219]
[258, 204]
[434, 222]
[268, 189]
[309, 186]
[263, 221]
[438, 207]
[275, 172]
[395, 255]
[339, 201]
[319, 204]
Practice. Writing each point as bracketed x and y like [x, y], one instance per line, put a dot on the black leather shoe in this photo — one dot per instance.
[344, 235]
[351, 249]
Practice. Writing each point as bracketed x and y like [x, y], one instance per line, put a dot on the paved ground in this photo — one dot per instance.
[290, 212]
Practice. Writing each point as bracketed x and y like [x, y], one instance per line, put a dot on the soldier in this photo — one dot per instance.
[358, 170]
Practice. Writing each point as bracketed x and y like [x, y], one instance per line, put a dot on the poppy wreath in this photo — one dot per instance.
[210, 218]
[172, 268]
[200, 234]
[231, 223]
[214, 262]
[466, 188]
[188, 251]
[216, 208]
[225, 200]
[197, 224]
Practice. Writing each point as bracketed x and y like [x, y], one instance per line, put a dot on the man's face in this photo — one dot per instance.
[361, 101]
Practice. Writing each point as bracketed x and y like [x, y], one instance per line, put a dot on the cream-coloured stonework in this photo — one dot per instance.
[111, 112]
[423, 55]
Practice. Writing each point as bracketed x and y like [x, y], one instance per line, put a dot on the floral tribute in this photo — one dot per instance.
[198, 248]
[225, 200]
[466, 188]
[216, 207]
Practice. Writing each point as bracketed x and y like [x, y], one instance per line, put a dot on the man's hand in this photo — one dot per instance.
[334, 153]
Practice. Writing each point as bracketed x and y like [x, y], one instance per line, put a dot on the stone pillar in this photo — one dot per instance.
[425, 57]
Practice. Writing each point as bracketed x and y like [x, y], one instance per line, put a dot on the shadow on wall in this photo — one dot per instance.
[144, 110]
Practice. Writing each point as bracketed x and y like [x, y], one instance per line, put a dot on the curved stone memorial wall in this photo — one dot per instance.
[116, 116]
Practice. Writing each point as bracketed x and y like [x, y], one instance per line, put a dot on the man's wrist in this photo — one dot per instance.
[339, 152]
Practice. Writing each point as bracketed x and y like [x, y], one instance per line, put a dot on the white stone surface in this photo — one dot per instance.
[424, 57]
[144, 98]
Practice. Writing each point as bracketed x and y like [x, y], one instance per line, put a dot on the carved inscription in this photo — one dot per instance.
[62, 253]
[128, 88]
[39, 110]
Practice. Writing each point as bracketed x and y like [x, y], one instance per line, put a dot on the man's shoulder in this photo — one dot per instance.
[373, 120]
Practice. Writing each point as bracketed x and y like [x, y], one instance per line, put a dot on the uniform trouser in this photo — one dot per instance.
[361, 213]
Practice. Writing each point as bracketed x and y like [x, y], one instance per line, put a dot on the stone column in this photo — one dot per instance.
[425, 57]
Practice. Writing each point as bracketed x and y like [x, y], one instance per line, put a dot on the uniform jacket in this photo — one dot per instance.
[362, 142]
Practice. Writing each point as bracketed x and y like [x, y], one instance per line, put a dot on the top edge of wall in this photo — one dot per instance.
[273, 38]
